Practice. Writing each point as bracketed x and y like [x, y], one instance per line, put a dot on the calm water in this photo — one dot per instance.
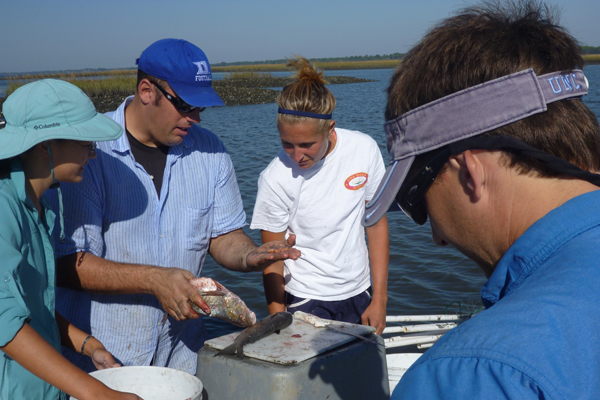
[423, 278]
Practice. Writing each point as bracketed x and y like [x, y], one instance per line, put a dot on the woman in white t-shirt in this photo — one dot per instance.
[317, 188]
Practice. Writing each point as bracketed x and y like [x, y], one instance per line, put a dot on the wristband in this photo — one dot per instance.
[84, 342]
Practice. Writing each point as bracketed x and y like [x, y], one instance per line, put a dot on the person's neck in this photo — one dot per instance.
[35, 186]
[38, 179]
[332, 143]
[513, 203]
[135, 122]
[542, 195]
[532, 198]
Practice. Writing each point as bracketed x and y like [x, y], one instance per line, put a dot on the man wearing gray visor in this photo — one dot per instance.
[490, 141]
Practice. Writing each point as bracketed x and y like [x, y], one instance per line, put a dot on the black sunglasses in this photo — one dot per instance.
[177, 102]
[411, 193]
[90, 147]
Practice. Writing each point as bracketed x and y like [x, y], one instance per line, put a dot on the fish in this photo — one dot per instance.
[263, 328]
[332, 325]
[223, 303]
[312, 319]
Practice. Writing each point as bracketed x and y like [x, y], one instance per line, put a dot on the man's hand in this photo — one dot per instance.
[271, 252]
[171, 286]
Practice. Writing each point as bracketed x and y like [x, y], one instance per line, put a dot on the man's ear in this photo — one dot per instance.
[471, 173]
[146, 91]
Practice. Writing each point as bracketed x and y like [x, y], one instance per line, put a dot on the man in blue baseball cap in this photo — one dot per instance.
[150, 207]
[489, 139]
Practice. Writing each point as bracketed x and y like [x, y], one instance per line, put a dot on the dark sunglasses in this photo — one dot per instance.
[178, 103]
[411, 193]
[90, 147]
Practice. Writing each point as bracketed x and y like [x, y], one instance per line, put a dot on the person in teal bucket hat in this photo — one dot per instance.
[50, 134]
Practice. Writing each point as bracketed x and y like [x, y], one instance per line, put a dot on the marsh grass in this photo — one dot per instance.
[371, 64]
[72, 75]
[328, 65]
[107, 89]
[248, 75]
[343, 65]
[592, 58]
[250, 68]
[117, 85]
[235, 72]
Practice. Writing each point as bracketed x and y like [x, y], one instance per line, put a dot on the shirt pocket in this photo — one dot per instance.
[197, 228]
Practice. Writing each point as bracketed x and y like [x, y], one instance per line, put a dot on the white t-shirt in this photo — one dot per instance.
[323, 206]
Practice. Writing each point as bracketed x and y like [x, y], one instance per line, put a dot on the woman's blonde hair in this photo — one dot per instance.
[308, 93]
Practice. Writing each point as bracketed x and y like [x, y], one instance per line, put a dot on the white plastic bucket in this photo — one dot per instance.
[151, 383]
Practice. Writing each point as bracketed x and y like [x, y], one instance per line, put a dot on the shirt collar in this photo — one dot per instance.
[17, 176]
[121, 145]
[539, 242]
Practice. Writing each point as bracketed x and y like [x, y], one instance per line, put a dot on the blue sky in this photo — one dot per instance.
[47, 35]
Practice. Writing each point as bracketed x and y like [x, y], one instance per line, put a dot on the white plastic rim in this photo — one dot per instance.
[151, 383]
[397, 365]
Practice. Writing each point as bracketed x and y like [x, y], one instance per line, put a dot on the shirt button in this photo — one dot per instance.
[7, 279]
[160, 236]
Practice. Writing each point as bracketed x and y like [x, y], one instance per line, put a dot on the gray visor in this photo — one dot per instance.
[467, 113]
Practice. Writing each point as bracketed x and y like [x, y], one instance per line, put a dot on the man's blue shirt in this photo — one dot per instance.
[538, 337]
[115, 213]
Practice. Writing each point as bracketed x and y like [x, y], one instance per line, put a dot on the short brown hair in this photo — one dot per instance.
[492, 40]
[143, 75]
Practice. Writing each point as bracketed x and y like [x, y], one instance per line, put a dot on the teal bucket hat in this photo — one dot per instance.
[51, 109]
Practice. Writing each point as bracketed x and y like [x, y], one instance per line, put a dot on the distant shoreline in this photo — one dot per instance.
[325, 66]
[233, 91]
[238, 91]
[590, 59]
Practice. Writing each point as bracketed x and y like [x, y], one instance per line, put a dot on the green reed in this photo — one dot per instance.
[592, 58]
[72, 75]
[324, 65]
[250, 68]
[120, 85]
[369, 64]
[247, 75]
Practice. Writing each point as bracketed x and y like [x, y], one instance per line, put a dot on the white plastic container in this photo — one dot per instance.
[151, 383]
[397, 365]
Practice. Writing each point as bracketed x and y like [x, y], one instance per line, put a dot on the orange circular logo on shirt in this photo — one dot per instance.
[356, 181]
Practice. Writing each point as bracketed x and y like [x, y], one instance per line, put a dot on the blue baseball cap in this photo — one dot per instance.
[184, 67]
[51, 109]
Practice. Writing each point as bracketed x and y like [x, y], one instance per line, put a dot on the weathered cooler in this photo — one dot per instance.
[301, 362]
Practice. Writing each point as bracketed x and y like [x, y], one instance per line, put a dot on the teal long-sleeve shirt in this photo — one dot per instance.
[27, 284]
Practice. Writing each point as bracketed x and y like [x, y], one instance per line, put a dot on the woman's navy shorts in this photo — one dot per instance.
[348, 310]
